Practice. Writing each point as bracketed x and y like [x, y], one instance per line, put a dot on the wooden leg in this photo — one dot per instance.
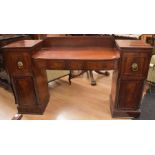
[70, 77]
[87, 74]
[93, 82]
[17, 117]
[106, 73]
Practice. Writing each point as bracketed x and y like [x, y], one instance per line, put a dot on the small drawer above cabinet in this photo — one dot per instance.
[18, 63]
[135, 64]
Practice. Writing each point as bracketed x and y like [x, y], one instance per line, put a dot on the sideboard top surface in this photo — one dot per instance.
[77, 53]
[134, 44]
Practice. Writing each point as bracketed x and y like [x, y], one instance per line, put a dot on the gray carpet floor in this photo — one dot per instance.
[148, 106]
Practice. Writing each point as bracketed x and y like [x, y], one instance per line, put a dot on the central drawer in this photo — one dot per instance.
[91, 65]
[78, 64]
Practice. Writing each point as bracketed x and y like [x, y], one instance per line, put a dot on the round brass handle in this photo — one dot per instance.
[134, 67]
[20, 64]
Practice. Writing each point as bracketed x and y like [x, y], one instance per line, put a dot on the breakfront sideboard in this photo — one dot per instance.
[27, 61]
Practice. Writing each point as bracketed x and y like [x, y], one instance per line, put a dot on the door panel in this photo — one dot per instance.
[130, 94]
[24, 87]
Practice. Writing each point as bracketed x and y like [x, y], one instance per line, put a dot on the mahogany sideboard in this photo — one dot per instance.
[26, 63]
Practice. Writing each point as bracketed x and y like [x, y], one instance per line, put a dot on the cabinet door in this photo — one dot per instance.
[130, 94]
[24, 90]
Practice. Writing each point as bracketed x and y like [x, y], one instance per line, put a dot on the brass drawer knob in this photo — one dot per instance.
[20, 64]
[134, 67]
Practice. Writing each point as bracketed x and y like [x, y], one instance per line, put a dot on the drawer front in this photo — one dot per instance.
[58, 65]
[75, 65]
[101, 65]
[135, 64]
[130, 94]
[51, 64]
[18, 63]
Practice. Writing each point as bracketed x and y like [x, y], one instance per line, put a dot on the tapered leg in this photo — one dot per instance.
[93, 82]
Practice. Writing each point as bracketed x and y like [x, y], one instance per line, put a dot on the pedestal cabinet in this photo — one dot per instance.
[18, 62]
[130, 77]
